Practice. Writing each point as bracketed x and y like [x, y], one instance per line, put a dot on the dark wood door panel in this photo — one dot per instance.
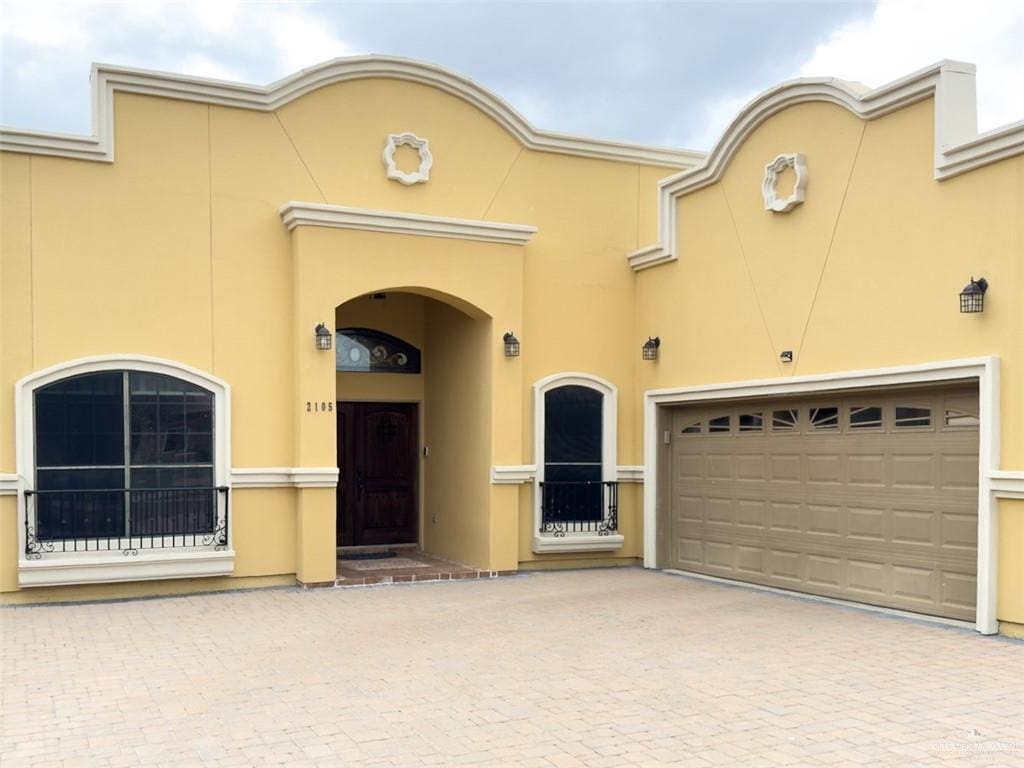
[377, 493]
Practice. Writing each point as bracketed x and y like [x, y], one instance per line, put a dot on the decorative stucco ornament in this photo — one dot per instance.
[772, 201]
[422, 146]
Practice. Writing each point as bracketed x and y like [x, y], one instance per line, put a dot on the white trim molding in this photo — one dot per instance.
[1007, 484]
[958, 145]
[8, 484]
[422, 147]
[985, 370]
[297, 214]
[769, 187]
[284, 477]
[104, 568]
[109, 79]
[629, 473]
[141, 563]
[575, 542]
[513, 474]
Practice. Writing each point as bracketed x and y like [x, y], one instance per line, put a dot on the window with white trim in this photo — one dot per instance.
[575, 445]
[123, 454]
[123, 460]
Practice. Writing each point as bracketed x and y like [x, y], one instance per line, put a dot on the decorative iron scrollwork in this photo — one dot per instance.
[364, 350]
[35, 549]
[579, 507]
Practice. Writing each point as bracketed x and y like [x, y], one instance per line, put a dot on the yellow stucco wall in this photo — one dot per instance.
[177, 250]
[1011, 571]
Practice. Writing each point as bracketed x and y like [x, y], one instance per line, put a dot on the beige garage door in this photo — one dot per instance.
[868, 496]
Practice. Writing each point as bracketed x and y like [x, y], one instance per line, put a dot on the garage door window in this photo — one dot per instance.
[912, 416]
[785, 420]
[719, 425]
[824, 418]
[693, 428]
[865, 417]
[751, 422]
[958, 418]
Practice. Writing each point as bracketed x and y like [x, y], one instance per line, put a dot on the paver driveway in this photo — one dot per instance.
[598, 668]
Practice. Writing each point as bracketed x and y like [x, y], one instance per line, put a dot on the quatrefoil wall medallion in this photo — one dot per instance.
[769, 188]
[396, 140]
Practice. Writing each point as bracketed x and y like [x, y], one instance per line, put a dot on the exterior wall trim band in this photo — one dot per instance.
[284, 477]
[296, 214]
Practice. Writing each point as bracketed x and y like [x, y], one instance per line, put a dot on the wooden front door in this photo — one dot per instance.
[377, 452]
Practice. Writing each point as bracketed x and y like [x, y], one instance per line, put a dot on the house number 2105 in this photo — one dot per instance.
[319, 406]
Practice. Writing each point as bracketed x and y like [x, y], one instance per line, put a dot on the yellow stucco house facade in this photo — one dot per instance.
[371, 304]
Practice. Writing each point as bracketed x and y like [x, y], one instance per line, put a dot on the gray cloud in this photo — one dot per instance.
[638, 71]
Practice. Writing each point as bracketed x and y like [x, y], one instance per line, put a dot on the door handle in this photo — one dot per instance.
[360, 482]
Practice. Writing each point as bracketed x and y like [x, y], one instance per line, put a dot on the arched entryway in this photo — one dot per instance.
[413, 404]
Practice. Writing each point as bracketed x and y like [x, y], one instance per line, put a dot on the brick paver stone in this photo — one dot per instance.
[593, 669]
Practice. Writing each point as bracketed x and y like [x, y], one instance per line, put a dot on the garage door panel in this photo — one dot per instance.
[751, 513]
[960, 531]
[785, 516]
[915, 585]
[825, 572]
[751, 466]
[786, 468]
[689, 466]
[868, 524]
[719, 465]
[914, 470]
[750, 560]
[867, 577]
[786, 565]
[914, 527]
[959, 591]
[825, 520]
[824, 469]
[719, 511]
[689, 509]
[721, 555]
[690, 551]
[959, 471]
[867, 470]
[883, 513]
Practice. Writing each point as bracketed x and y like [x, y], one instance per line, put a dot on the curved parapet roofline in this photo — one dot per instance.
[958, 145]
[106, 79]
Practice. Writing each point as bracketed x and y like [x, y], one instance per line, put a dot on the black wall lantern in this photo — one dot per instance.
[323, 337]
[972, 297]
[511, 345]
[650, 348]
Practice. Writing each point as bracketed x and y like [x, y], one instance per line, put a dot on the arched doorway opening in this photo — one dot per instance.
[413, 399]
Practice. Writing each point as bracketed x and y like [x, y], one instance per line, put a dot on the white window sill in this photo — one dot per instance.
[577, 542]
[102, 568]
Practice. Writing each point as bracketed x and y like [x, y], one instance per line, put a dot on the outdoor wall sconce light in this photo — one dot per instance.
[972, 297]
[511, 345]
[650, 348]
[323, 337]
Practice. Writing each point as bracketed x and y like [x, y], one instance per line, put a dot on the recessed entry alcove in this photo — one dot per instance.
[412, 402]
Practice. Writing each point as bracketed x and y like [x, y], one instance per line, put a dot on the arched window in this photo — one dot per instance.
[123, 454]
[575, 450]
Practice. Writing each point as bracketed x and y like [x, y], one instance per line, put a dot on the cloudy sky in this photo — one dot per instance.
[670, 73]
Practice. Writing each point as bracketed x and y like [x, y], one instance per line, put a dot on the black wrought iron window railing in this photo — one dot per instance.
[126, 520]
[579, 506]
